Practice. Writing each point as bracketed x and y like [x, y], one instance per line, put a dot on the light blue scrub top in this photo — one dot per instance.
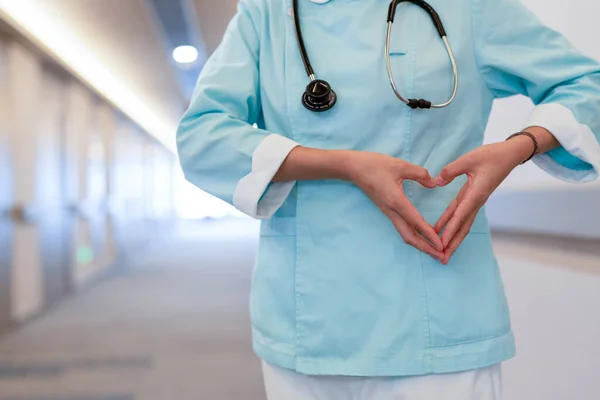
[335, 289]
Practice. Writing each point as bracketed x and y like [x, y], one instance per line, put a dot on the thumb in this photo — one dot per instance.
[451, 171]
[419, 174]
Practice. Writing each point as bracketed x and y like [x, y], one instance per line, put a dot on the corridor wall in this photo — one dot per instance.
[80, 184]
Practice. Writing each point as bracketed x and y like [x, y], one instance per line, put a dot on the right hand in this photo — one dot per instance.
[380, 177]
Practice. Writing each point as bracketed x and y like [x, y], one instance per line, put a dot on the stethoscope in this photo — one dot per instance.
[319, 96]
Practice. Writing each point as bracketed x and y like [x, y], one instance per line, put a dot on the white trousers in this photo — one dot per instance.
[480, 384]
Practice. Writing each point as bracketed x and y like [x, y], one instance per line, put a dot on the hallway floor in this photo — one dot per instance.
[173, 325]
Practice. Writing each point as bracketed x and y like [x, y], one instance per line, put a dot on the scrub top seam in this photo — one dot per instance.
[426, 318]
[290, 19]
[428, 355]
[408, 136]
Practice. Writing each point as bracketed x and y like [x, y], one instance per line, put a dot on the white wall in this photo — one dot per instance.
[577, 20]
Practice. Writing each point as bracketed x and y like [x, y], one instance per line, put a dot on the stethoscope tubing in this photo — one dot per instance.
[391, 74]
[413, 103]
[303, 53]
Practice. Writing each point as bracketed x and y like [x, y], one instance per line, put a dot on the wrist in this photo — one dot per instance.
[545, 139]
[304, 163]
[518, 149]
[343, 164]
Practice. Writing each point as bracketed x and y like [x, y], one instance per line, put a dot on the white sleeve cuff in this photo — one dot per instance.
[249, 196]
[575, 138]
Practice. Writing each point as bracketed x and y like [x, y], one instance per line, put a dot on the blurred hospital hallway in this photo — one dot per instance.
[170, 324]
[121, 281]
[173, 324]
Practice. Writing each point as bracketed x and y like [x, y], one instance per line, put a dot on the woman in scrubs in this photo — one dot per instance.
[375, 276]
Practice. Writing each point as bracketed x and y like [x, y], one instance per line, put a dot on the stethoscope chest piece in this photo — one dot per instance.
[318, 96]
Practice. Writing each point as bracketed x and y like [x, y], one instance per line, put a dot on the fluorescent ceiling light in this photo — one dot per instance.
[32, 19]
[185, 54]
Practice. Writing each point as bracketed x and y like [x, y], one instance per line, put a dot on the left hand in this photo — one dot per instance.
[486, 167]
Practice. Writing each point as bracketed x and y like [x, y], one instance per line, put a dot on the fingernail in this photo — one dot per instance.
[439, 180]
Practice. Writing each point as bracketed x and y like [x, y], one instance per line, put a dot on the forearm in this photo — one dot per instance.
[545, 139]
[522, 146]
[304, 163]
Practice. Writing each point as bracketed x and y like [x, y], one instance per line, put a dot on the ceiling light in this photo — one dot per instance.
[185, 54]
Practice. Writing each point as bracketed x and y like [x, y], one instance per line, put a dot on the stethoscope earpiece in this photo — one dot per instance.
[319, 96]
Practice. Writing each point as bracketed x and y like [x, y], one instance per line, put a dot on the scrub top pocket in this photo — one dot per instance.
[272, 298]
[465, 298]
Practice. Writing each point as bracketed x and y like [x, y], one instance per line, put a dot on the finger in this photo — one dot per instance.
[458, 238]
[419, 174]
[411, 237]
[450, 210]
[410, 214]
[446, 216]
[427, 231]
[430, 184]
[420, 243]
[464, 210]
[452, 170]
